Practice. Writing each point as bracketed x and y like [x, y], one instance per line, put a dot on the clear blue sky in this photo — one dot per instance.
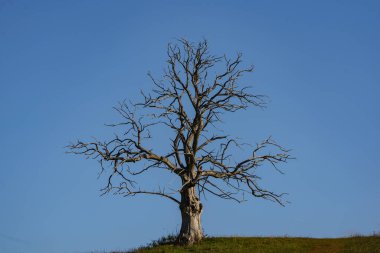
[64, 64]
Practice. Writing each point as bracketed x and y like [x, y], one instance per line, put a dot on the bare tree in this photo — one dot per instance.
[190, 101]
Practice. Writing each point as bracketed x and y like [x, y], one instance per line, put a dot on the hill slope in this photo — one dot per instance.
[369, 244]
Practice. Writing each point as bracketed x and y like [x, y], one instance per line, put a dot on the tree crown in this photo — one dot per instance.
[189, 101]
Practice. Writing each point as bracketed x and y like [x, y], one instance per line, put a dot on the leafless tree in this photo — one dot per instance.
[190, 101]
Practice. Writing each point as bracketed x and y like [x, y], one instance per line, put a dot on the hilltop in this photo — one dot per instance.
[357, 244]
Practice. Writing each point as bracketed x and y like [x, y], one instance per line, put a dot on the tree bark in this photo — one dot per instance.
[191, 211]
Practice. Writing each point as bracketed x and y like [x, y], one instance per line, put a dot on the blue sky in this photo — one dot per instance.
[64, 64]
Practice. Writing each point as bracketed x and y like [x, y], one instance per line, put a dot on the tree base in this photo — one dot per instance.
[187, 240]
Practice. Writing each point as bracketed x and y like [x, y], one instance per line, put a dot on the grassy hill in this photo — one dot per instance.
[359, 244]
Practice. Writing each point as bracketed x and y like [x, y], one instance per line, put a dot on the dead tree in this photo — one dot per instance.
[190, 101]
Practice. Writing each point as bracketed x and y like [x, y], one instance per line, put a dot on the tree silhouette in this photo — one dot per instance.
[190, 100]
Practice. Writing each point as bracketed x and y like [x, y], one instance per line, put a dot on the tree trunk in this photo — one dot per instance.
[191, 211]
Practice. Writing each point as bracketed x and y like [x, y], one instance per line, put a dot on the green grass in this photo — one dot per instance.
[359, 244]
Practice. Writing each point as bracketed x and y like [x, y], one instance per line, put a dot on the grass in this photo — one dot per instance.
[356, 244]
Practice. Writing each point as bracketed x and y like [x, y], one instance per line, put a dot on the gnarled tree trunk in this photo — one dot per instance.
[191, 211]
